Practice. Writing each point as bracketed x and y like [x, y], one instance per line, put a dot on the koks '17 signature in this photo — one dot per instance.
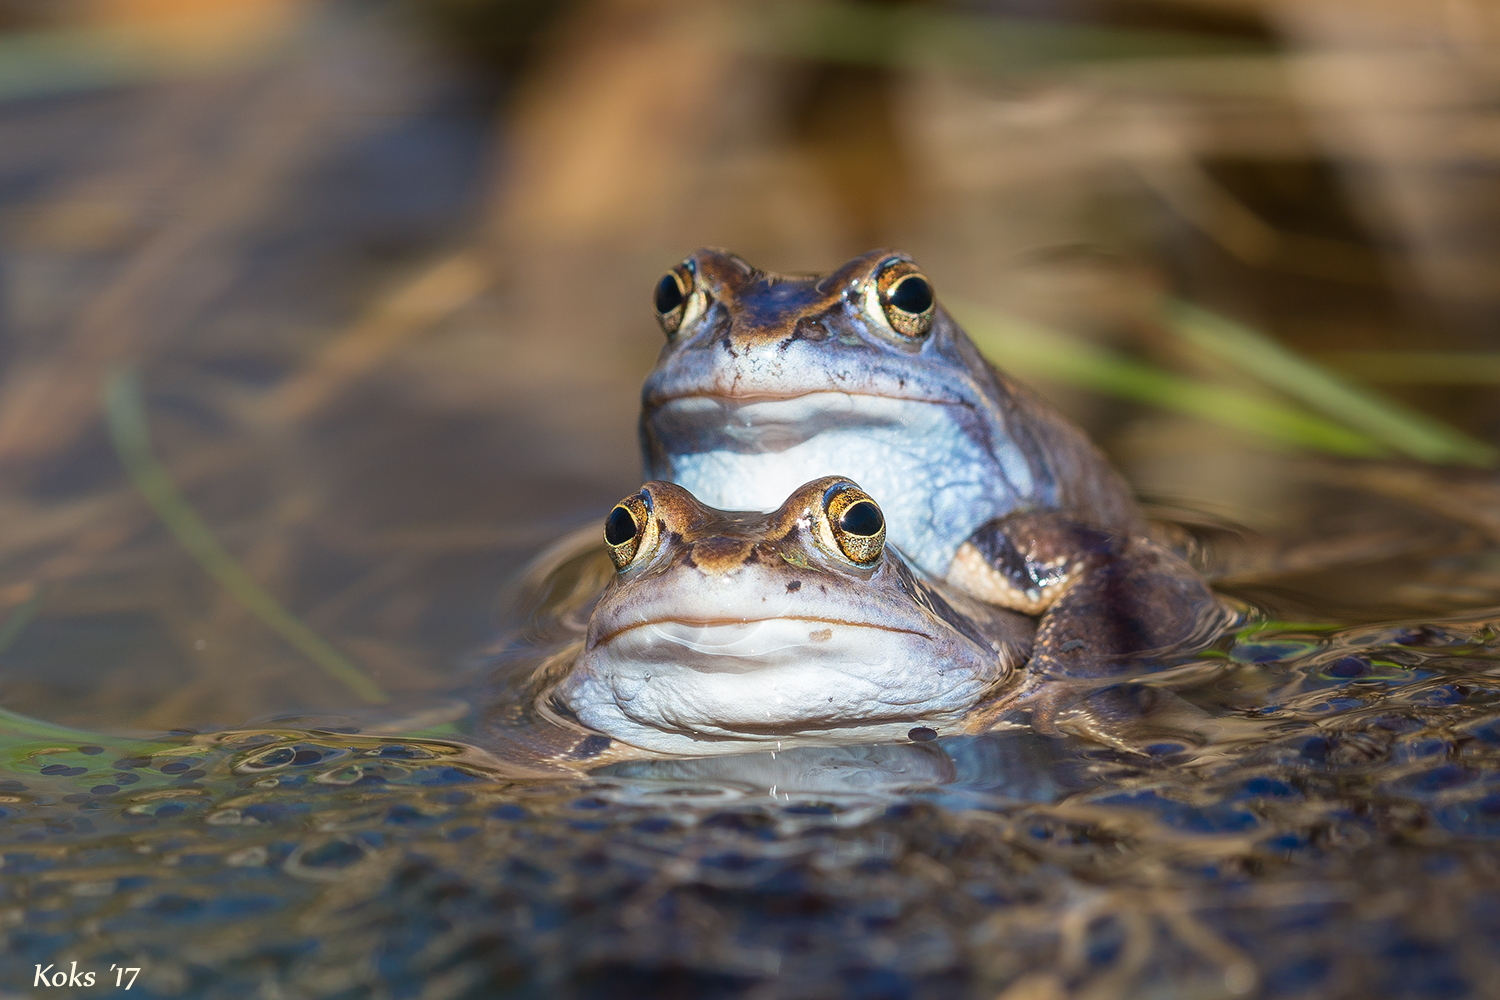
[72, 977]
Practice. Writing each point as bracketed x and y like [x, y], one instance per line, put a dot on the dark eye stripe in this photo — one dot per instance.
[620, 527]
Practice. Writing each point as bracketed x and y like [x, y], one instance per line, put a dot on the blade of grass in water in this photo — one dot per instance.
[127, 427]
[1031, 349]
[1383, 419]
[1419, 367]
[14, 726]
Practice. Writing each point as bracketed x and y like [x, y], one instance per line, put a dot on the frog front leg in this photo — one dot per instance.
[1105, 600]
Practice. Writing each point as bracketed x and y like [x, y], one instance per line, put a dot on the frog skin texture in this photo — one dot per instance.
[725, 632]
[769, 380]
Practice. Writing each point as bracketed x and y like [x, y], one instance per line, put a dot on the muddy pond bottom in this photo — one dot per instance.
[1315, 813]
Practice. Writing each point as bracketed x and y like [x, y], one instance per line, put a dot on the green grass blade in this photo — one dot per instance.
[14, 726]
[1383, 419]
[1419, 367]
[127, 427]
[1034, 350]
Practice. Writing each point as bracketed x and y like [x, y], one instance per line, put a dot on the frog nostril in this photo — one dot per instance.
[808, 328]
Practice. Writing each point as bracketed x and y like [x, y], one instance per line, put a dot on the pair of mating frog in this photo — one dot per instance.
[858, 530]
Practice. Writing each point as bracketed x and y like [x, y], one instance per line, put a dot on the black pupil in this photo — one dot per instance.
[668, 294]
[620, 528]
[863, 518]
[913, 295]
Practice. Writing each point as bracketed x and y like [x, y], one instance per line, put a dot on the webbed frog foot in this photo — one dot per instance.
[1111, 606]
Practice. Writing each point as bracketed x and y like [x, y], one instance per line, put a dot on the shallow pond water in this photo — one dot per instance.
[386, 363]
[1302, 810]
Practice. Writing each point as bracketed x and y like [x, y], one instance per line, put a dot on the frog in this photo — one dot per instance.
[767, 380]
[725, 632]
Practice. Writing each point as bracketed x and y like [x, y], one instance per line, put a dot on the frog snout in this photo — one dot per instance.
[720, 555]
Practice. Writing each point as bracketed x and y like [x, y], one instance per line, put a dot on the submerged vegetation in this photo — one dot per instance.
[126, 417]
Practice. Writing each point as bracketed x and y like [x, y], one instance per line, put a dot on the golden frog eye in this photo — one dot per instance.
[856, 523]
[627, 527]
[673, 293]
[906, 299]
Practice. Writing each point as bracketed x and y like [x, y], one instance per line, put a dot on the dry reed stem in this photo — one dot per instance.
[414, 307]
[46, 401]
[608, 131]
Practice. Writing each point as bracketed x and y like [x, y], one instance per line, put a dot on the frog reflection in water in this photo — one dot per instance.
[768, 380]
[723, 632]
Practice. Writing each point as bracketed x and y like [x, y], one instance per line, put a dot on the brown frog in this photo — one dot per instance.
[723, 632]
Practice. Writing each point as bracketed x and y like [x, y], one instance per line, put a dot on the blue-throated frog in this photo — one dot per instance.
[723, 632]
[769, 380]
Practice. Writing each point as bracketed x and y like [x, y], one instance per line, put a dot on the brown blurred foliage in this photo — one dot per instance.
[392, 328]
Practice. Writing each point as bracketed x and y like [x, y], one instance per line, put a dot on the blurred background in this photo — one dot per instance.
[318, 319]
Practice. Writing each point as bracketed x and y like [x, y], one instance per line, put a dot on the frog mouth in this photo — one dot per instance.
[735, 399]
[748, 638]
[789, 406]
[775, 422]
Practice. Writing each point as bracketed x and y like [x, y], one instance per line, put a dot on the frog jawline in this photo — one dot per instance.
[716, 623]
[732, 400]
[695, 692]
[766, 421]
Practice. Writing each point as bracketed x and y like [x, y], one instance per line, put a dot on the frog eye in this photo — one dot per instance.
[906, 299]
[673, 296]
[627, 528]
[856, 523]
